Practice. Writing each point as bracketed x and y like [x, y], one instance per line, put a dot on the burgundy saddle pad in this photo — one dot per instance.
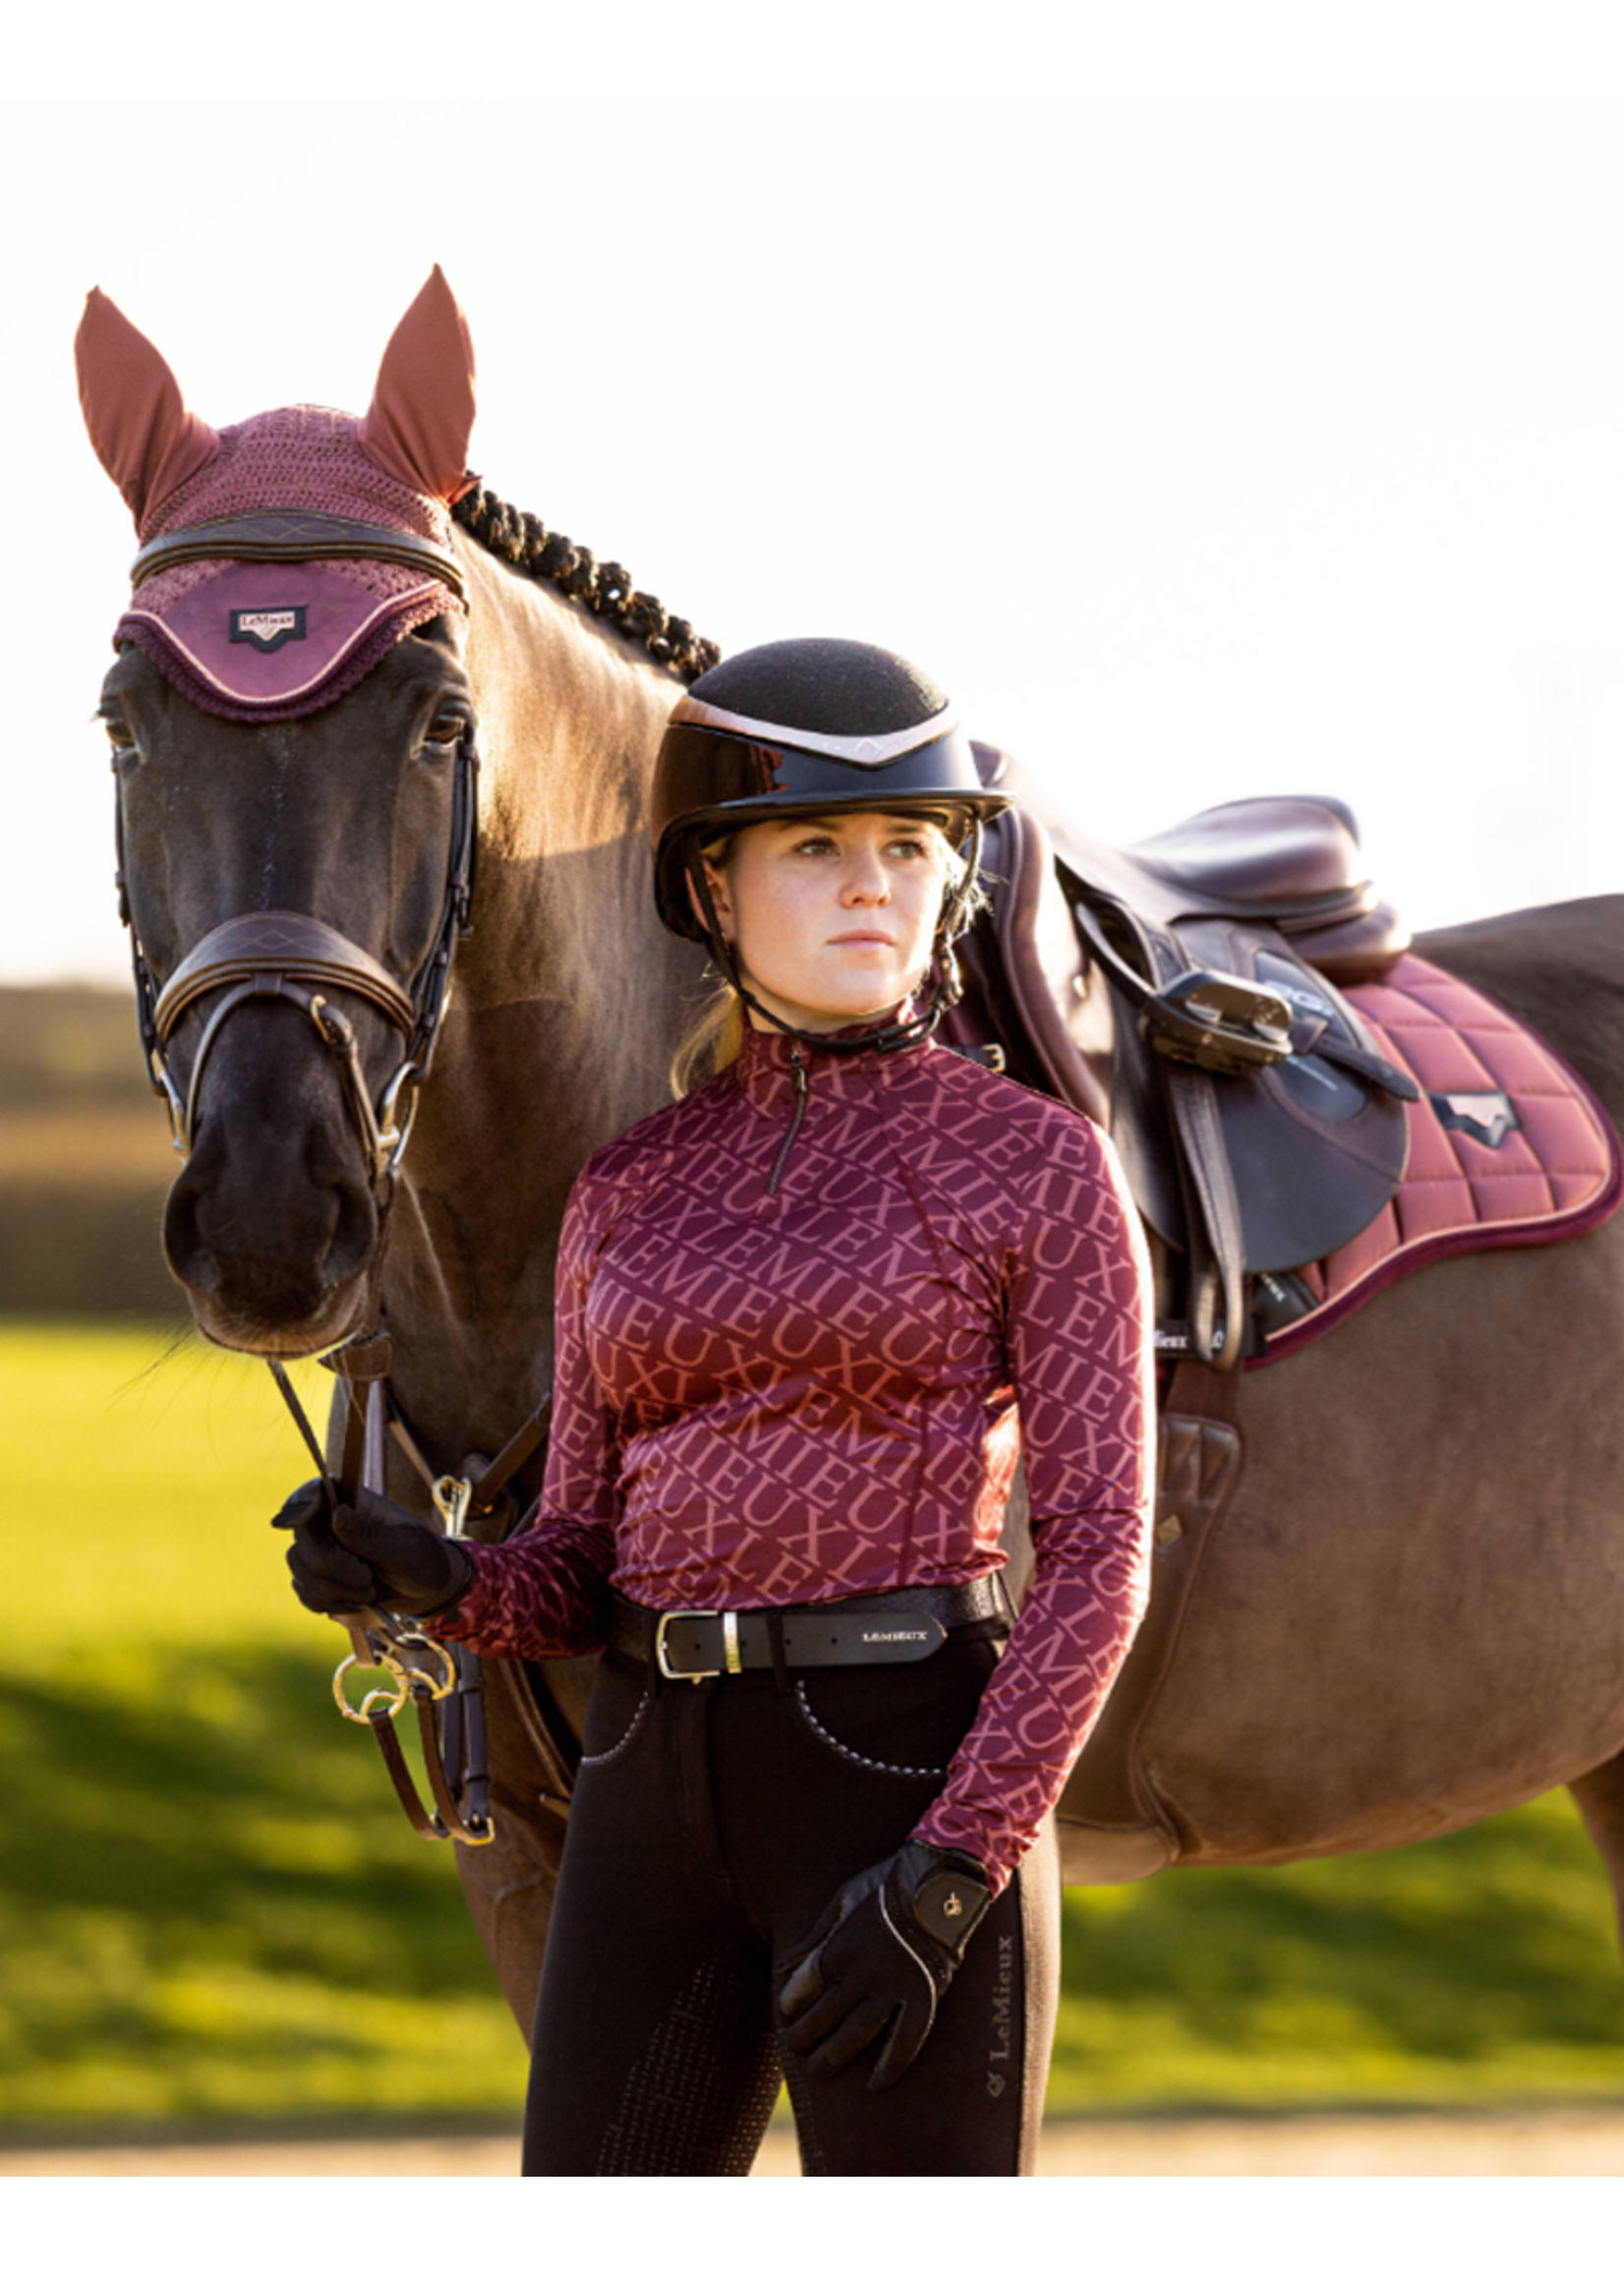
[1507, 1145]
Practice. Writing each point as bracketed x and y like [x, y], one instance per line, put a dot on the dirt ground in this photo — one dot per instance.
[1576, 2143]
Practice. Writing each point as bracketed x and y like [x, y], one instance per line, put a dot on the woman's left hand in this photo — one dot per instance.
[882, 1954]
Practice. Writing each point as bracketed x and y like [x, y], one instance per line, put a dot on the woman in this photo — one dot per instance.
[807, 1317]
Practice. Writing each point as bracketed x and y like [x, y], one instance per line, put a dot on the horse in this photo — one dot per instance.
[1409, 1619]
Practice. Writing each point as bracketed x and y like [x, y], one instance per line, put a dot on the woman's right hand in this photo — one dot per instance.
[372, 1556]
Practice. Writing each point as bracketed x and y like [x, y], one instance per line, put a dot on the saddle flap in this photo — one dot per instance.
[1312, 1148]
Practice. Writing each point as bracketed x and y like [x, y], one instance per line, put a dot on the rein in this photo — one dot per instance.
[424, 1670]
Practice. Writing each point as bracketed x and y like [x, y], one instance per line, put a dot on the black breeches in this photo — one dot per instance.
[711, 1824]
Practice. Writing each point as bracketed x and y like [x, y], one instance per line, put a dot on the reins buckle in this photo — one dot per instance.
[730, 1645]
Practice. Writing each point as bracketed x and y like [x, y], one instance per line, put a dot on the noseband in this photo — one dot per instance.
[278, 953]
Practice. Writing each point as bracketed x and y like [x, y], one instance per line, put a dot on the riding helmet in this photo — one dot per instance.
[801, 726]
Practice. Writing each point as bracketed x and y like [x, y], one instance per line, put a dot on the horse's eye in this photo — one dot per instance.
[446, 727]
[119, 734]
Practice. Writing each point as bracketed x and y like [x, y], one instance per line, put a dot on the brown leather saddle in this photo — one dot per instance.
[1183, 993]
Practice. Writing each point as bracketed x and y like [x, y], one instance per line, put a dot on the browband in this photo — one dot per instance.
[280, 534]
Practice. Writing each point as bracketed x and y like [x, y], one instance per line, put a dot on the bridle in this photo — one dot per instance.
[281, 953]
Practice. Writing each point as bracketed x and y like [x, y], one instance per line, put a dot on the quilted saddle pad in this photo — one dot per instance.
[1507, 1146]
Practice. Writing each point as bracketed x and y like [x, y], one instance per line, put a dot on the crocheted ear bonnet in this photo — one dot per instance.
[260, 640]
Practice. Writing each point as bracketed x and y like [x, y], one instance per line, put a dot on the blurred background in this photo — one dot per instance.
[1204, 448]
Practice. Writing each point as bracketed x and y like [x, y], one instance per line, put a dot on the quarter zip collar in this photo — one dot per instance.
[779, 1072]
[766, 1065]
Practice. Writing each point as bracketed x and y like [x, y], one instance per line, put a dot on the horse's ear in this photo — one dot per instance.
[140, 429]
[421, 413]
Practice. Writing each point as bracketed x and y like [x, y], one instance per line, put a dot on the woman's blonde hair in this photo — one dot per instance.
[717, 1035]
[714, 1040]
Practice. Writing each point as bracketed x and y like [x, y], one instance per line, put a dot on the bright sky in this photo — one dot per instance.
[1201, 448]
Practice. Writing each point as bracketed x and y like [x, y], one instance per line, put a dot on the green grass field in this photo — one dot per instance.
[210, 1909]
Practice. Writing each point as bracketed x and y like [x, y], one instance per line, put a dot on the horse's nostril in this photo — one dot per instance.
[267, 1231]
[183, 1247]
[350, 1247]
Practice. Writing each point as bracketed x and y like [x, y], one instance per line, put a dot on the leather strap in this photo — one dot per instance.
[896, 1628]
[293, 946]
[281, 534]
[511, 1459]
[1217, 1246]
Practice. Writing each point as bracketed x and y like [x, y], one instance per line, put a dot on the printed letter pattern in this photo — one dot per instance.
[791, 1397]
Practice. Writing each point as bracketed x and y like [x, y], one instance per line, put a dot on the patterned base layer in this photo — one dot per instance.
[1507, 1146]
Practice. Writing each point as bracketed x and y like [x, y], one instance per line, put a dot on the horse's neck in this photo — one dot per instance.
[567, 1001]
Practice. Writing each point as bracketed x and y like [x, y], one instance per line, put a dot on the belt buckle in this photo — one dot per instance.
[733, 1663]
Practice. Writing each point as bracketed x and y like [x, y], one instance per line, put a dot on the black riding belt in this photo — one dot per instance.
[864, 1630]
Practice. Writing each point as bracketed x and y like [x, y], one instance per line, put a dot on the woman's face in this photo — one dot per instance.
[832, 919]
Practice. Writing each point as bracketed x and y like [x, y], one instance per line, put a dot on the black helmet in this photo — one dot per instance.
[802, 727]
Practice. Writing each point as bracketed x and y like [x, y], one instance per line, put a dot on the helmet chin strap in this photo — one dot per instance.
[900, 1033]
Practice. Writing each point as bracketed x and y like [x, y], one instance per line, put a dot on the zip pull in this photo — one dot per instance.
[795, 1120]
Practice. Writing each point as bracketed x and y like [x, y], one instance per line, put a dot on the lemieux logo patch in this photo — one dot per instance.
[1487, 1115]
[267, 628]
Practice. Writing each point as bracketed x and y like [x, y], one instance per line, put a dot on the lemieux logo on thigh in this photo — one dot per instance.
[1003, 2039]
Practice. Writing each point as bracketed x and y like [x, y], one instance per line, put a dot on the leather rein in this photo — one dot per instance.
[281, 953]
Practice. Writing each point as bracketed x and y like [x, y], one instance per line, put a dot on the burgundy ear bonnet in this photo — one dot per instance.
[262, 638]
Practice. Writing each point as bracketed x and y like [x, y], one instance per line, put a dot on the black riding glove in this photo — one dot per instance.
[882, 1954]
[372, 1556]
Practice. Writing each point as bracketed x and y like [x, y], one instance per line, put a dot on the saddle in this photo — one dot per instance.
[1183, 993]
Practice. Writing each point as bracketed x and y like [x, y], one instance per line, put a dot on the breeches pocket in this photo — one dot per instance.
[617, 1711]
[906, 1721]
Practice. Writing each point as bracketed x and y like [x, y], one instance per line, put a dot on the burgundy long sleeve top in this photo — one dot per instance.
[767, 1398]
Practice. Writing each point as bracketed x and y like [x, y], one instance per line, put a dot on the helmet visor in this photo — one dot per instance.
[703, 774]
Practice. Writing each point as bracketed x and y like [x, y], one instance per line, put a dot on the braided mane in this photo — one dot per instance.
[602, 586]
